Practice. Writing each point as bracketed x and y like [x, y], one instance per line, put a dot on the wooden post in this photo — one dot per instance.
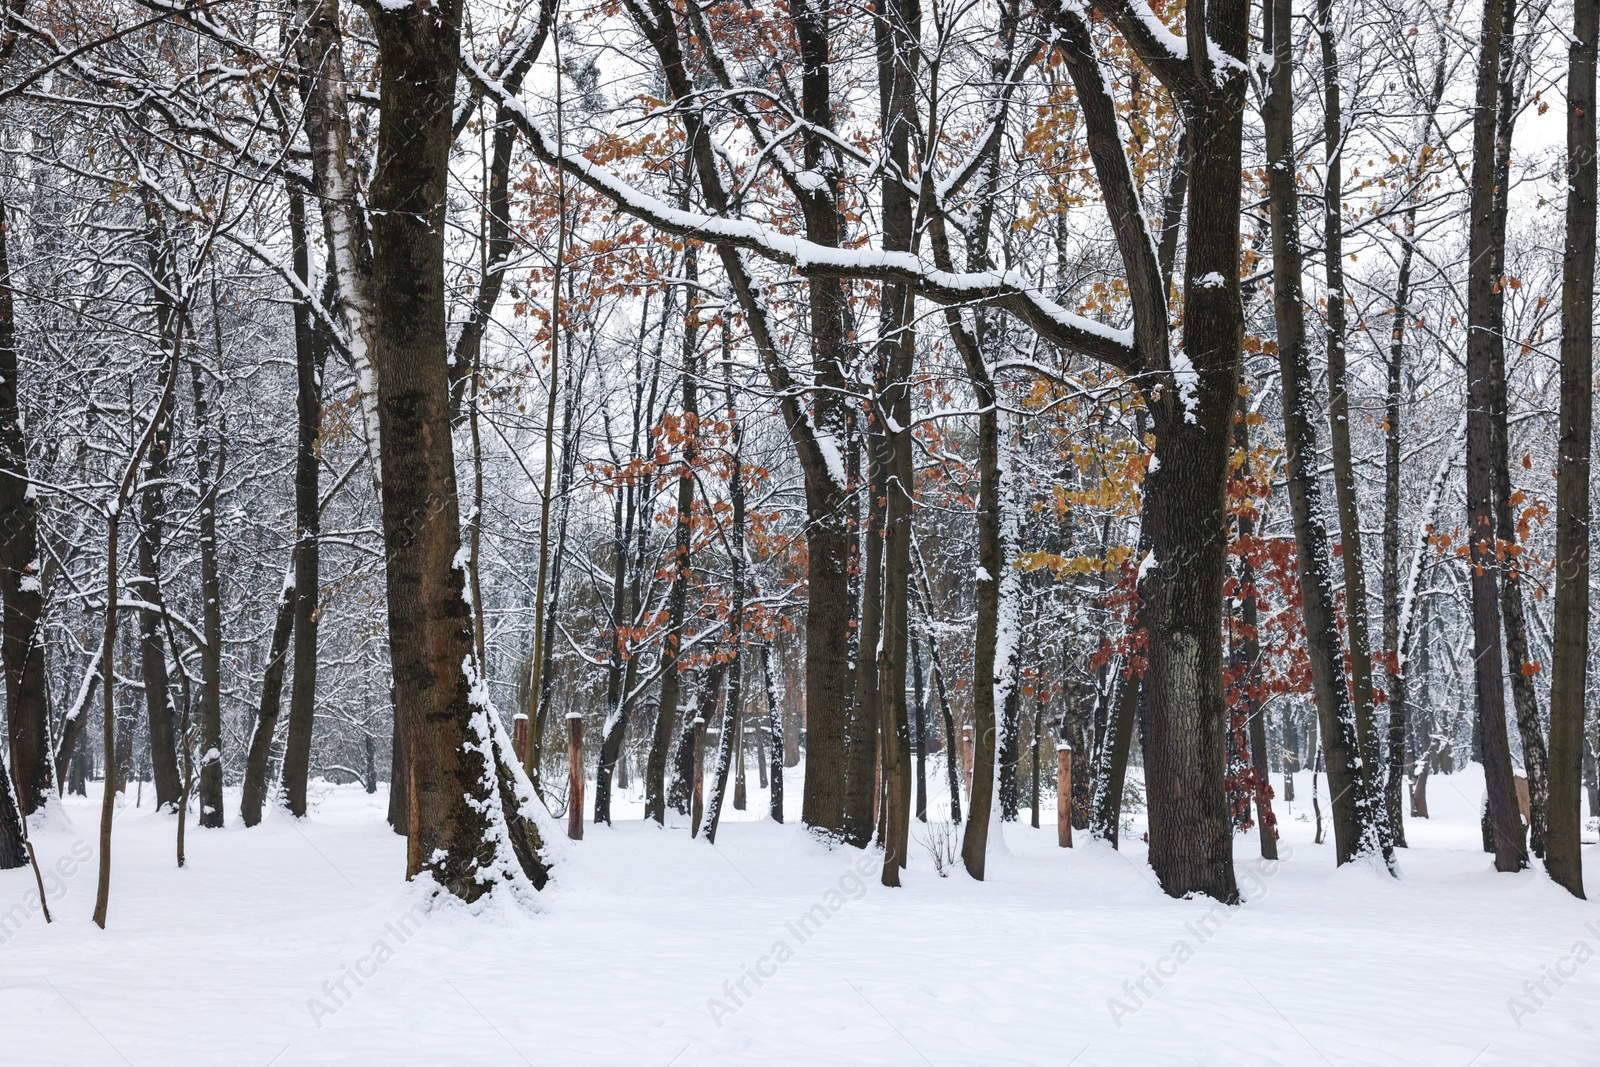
[966, 759]
[519, 735]
[575, 775]
[697, 805]
[1064, 794]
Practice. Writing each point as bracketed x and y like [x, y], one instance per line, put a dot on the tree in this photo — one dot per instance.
[1569, 674]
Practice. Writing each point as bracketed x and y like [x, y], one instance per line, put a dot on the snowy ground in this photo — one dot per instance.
[296, 943]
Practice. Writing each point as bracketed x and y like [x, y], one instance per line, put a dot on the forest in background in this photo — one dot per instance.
[1205, 389]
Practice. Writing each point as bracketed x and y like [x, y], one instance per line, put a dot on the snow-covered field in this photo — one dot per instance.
[297, 943]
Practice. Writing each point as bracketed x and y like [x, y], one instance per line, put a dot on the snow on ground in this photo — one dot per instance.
[297, 943]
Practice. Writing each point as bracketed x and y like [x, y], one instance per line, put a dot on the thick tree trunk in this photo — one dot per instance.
[1352, 780]
[469, 815]
[1568, 678]
[1486, 396]
[13, 849]
[21, 644]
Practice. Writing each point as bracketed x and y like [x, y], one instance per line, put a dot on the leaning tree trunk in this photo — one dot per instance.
[1568, 677]
[470, 814]
[1486, 394]
[21, 644]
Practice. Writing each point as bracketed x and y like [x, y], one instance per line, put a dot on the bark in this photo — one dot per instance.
[775, 725]
[307, 403]
[307, 580]
[1191, 397]
[1486, 394]
[469, 821]
[21, 637]
[1250, 655]
[1519, 661]
[1352, 782]
[1568, 678]
[206, 478]
[152, 647]
[13, 849]
[1344, 478]
[1397, 763]
[727, 736]
[897, 30]
[830, 533]
[319, 51]
[864, 715]
[920, 727]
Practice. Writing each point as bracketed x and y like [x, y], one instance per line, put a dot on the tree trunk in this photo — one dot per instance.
[727, 736]
[1486, 396]
[308, 410]
[1344, 478]
[1357, 817]
[1392, 638]
[319, 52]
[777, 745]
[152, 512]
[206, 478]
[1524, 698]
[469, 815]
[1568, 678]
[307, 579]
[21, 639]
[670, 708]
[1250, 656]
[920, 726]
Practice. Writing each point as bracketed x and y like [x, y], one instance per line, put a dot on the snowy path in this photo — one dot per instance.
[637, 955]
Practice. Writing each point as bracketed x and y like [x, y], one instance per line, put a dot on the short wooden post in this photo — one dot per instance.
[697, 806]
[1064, 794]
[966, 759]
[519, 736]
[1524, 804]
[575, 775]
